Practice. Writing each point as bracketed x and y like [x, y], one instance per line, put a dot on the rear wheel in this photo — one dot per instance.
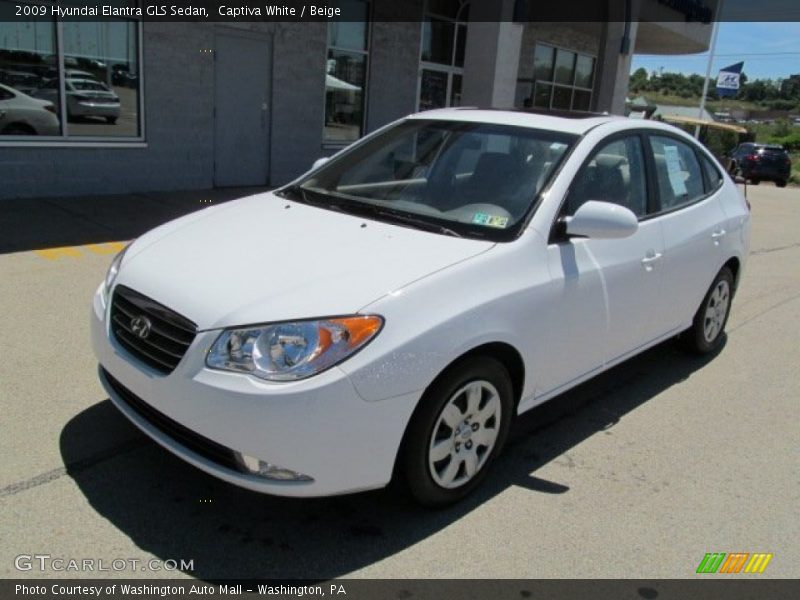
[781, 184]
[706, 333]
[458, 430]
[755, 181]
[111, 120]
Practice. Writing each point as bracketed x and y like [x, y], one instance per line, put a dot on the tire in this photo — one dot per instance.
[755, 181]
[781, 184]
[706, 334]
[111, 120]
[470, 442]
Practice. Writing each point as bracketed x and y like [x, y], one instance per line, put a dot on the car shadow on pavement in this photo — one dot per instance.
[175, 511]
[39, 223]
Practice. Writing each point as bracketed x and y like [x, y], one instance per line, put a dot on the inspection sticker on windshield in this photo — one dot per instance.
[490, 220]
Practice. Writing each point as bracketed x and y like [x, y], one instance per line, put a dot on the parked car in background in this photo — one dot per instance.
[22, 115]
[121, 76]
[24, 81]
[85, 98]
[391, 311]
[760, 162]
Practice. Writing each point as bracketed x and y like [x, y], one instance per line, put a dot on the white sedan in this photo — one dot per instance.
[390, 312]
[22, 115]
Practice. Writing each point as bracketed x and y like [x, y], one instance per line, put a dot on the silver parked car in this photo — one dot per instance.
[85, 98]
[22, 115]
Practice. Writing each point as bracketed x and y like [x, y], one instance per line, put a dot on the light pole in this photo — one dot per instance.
[712, 50]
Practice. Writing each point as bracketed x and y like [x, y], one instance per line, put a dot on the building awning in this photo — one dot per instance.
[704, 123]
[333, 83]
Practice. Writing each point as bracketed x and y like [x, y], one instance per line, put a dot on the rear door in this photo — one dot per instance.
[693, 222]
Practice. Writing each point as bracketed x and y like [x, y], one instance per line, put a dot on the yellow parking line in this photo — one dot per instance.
[80, 251]
[107, 248]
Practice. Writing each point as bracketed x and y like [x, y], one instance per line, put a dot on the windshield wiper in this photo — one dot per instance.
[419, 223]
[315, 198]
[312, 198]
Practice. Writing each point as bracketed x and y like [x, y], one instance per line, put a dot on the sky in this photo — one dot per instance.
[769, 51]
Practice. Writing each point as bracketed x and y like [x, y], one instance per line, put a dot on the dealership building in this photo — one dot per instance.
[137, 105]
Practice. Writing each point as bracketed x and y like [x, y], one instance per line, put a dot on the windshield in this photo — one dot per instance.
[468, 179]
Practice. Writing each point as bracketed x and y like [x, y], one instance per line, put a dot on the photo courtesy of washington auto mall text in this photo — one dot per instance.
[98, 589]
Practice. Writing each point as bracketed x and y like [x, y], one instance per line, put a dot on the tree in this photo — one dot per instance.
[638, 80]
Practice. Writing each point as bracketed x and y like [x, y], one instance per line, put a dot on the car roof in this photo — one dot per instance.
[575, 123]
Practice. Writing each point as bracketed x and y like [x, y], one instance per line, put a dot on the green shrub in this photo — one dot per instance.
[791, 142]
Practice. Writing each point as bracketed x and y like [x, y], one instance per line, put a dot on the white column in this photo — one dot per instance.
[491, 58]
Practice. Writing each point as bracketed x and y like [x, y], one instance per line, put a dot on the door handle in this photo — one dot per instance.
[2, 114]
[651, 258]
[717, 236]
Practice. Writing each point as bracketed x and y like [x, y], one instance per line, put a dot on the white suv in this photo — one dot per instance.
[391, 311]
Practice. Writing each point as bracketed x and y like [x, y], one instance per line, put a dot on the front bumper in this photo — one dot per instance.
[319, 427]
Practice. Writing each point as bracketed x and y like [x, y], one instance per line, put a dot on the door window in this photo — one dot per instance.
[713, 176]
[614, 174]
[680, 181]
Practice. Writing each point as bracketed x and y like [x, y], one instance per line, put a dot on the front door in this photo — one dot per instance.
[610, 289]
[242, 77]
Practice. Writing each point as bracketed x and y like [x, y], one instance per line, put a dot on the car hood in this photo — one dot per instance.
[264, 258]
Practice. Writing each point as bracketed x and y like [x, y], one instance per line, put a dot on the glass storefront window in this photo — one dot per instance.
[565, 67]
[94, 80]
[350, 35]
[443, 46]
[433, 90]
[562, 98]
[562, 80]
[346, 77]
[437, 41]
[584, 71]
[29, 90]
[101, 77]
[543, 63]
[541, 97]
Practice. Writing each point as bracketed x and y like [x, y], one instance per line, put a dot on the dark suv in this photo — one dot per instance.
[758, 162]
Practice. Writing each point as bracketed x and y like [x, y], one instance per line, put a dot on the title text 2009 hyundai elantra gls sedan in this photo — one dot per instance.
[390, 312]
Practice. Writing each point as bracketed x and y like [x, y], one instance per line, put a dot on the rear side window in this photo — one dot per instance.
[5, 95]
[713, 176]
[678, 174]
[615, 174]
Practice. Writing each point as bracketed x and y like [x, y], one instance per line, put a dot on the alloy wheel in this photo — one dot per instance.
[716, 311]
[465, 434]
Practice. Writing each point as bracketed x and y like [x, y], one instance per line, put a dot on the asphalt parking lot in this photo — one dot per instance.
[636, 474]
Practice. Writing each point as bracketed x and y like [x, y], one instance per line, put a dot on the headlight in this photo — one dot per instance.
[113, 271]
[295, 350]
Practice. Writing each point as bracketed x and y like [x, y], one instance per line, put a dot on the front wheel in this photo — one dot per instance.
[781, 184]
[706, 333]
[458, 430]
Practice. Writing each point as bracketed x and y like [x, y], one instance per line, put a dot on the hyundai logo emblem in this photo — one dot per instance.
[140, 326]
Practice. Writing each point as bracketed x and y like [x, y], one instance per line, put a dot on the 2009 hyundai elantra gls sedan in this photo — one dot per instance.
[389, 313]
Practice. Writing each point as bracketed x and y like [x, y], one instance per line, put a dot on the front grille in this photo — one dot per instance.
[170, 333]
[209, 449]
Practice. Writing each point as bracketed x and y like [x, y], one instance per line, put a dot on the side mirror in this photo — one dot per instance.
[602, 220]
[319, 162]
